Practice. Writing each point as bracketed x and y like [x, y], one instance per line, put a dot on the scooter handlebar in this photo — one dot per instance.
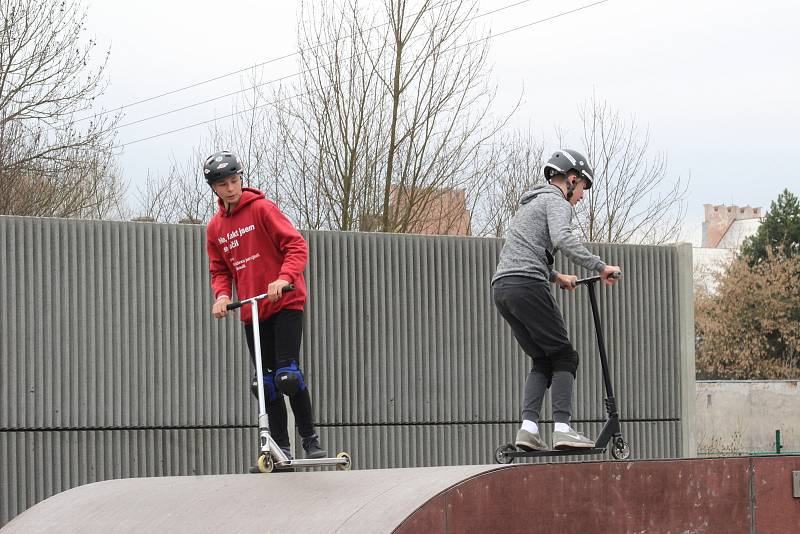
[240, 303]
[615, 275]
[234, 305]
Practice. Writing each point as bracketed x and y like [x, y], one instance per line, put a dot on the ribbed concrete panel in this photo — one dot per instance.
[640, 325]
[107, 324]
[111, 328]
[403, 329]
[387, 446]
[38, 464]
[106, 330]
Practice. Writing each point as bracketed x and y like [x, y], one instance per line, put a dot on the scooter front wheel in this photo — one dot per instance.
[265, 463]
[501, 456]
[620, 449]
[345, 466]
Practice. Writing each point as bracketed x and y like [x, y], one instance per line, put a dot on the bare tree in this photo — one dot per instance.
[392, 108]
[385, 129]
[632, 199]
[191, 197]
[330, 130]
[516, 161]
[154, 200]
[439, 97]
[51, 163]
[182, 194]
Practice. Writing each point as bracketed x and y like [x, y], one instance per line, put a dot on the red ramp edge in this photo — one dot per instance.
[730, 495]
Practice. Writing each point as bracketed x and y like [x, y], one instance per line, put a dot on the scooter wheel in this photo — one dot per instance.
[345, 466]
[620, 450]
[265, 463]
[501, 456]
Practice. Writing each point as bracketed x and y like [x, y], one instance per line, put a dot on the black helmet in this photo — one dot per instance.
[564, 160]
[220, 165]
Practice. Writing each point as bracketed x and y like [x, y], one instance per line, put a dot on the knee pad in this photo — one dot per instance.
[566, 360]
[545, 367]
[270, 390]
[289, 380]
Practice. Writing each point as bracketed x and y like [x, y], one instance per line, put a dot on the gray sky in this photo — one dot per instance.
[715, 81]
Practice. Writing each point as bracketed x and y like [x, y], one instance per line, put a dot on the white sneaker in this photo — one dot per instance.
[529, 441]
[571, 440]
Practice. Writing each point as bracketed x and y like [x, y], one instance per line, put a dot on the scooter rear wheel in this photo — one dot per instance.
[500, 453]
[345, 466]
[620, 449]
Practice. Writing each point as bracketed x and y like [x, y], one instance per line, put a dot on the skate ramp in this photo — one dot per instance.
[314, 502]
[731, 495]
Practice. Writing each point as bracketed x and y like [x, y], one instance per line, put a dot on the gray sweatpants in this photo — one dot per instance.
[531, 311]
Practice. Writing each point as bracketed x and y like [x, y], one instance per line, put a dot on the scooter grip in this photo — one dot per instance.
[234, 305]
[569, 286]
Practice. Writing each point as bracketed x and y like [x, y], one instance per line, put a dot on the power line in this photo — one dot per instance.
[587, 6]
[282, 78]
[189, 106]
[231, 115]
[239, 71]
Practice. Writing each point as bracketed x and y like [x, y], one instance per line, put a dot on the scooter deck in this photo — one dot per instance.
[552, 452]
[313, 462]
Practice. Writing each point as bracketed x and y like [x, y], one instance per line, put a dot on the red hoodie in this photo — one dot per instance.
[253, 246]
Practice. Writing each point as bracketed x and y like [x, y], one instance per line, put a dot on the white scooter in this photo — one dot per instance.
[271, 455]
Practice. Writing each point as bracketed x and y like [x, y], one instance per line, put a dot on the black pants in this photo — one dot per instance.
[531, 311]
[281, 335]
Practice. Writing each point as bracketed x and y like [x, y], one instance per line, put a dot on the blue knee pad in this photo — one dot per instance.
[270, 390]
[289, 380]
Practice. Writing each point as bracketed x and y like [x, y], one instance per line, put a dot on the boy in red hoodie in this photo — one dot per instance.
[252, 244]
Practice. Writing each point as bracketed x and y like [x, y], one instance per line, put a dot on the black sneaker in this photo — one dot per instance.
[312, 448]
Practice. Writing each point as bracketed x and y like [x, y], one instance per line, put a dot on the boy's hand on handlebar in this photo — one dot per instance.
[275, 289]
[611, 274]
[566, 281]
[220, 310]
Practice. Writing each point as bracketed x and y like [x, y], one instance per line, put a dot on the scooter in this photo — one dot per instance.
[611, 432]
[270, 454]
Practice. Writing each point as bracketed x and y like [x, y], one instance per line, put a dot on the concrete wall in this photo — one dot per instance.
[740, 416]
[112, 367]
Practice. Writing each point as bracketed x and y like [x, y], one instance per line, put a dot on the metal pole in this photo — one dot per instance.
[600, 342]
[263, 424]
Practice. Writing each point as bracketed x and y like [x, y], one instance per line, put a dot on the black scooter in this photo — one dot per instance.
[611, 432]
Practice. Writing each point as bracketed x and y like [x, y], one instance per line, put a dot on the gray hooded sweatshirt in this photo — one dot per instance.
[542, 225]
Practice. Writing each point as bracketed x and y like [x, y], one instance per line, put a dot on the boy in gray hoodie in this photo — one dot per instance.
[542, 225]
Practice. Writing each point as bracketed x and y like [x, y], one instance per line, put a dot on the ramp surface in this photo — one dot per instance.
[330, 501]
[731, 495]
